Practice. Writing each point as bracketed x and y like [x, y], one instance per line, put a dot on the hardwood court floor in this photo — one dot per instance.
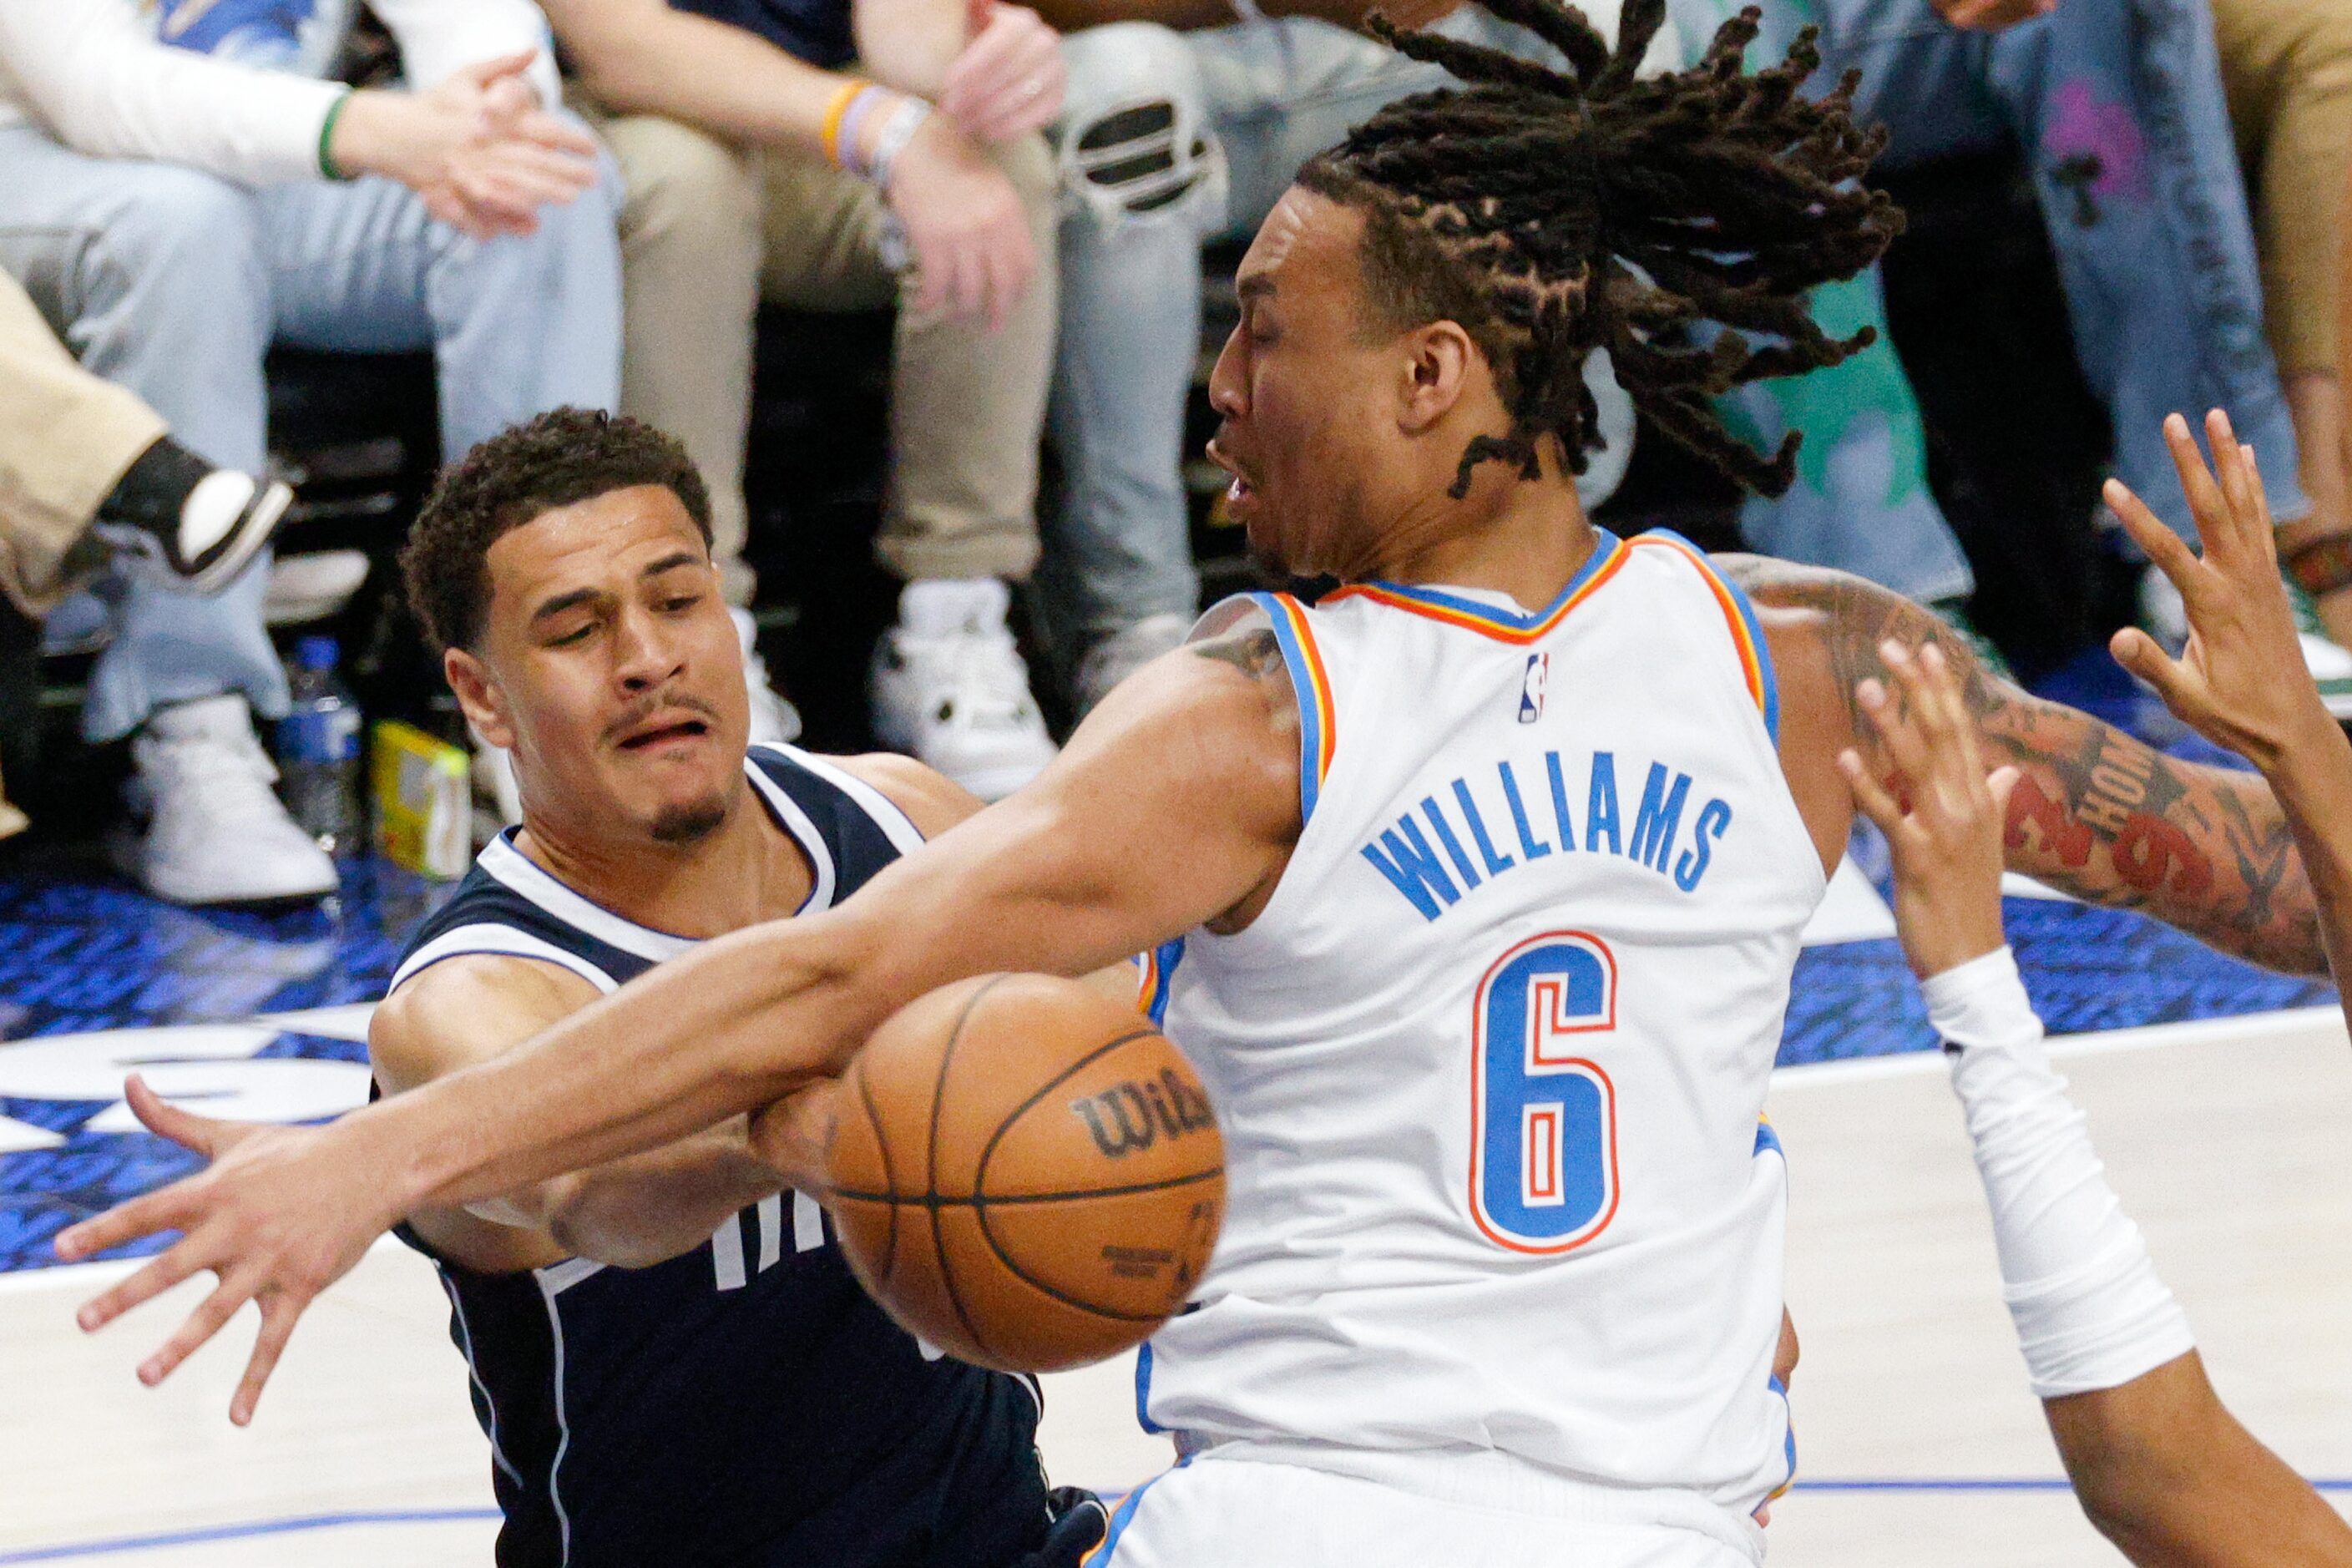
[2227, 1139]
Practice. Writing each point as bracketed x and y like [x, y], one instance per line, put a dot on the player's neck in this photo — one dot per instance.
[745, 870]
[1522, 538]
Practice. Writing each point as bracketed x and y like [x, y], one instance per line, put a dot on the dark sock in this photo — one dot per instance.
[157, 485]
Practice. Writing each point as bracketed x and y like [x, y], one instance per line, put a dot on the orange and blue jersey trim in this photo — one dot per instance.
[1159, 968]
[1740, 615]
[1488, 620]
[1317, 731]
[1124, 1515]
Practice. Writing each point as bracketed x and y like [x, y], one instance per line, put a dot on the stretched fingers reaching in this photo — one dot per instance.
[212, 1314]
[279, 1313]
[1869, 794]
[2166, 549]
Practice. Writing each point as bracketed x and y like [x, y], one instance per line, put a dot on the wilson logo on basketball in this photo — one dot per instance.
[1133, 1115]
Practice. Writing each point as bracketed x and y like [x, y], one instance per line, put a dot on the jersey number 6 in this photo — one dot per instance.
[1543, 1130]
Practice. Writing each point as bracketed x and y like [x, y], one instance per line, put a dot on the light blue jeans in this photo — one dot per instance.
[2118, 107]
[175, 283]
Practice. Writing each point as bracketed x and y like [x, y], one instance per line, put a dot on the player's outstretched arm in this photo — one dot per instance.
[2158, 1464]
[2241, 681]
[630, 1212]
[1176, 804]
[2094, 813]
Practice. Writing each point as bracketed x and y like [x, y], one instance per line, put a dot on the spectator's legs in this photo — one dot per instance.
[65, 438]
[155, 275]
[690, 248]
[1146, 182]
[966, 408]
[2286, 66]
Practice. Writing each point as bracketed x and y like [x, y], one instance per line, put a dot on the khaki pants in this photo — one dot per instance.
[710, 230]
[2287, 67]
[66, 438]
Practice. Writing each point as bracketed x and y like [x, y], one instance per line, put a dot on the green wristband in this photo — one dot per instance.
[326, 164]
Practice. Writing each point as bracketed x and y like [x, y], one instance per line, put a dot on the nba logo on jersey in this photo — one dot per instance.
[1531, 688]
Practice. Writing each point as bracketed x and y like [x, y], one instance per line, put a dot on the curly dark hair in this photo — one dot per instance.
[564, 456]
[1551, 214]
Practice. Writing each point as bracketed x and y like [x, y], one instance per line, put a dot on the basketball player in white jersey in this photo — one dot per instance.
[1488, 873]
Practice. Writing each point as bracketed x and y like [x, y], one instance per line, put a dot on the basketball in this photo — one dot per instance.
[1025, 1173]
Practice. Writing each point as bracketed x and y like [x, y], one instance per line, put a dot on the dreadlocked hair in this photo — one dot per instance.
[1553, 213]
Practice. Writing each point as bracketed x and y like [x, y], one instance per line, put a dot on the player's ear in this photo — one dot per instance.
[1440, 362]
[480, 697]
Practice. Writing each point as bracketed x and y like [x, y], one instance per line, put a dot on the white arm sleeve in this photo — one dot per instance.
[2089, 1309]
[439, 37]
[86, 71]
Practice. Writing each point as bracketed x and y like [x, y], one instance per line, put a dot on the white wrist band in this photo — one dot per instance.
[891, 139]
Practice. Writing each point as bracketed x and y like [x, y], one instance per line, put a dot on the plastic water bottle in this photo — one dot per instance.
[319, 750]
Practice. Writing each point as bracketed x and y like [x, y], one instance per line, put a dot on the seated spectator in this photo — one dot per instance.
[87, 472]
[806, 151]
[2287, 65]
[2120, 113]
[1184, 123]
[167, 213]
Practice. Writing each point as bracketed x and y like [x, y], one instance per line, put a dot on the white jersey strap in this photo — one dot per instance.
[493, 940]
[1748, 642]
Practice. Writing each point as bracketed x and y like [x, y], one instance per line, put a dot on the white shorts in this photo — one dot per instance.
[1216, 1512]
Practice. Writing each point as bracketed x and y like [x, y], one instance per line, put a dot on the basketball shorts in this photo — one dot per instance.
[1248, 1513]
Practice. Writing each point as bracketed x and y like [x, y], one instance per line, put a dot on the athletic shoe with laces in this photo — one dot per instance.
[949, 689]
[775, 719]
[216, 831]
[201, 546]
[1115, 658]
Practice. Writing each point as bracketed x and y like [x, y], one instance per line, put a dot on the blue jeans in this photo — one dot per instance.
[2118, 105]
[175, 283]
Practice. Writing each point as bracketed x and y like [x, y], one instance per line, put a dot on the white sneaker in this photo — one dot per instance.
[1124, 652]
[950, 690]
[216, 833]
[313, 586]
[775, 719]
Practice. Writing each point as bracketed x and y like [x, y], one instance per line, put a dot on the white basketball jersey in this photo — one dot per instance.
[1491, 1063]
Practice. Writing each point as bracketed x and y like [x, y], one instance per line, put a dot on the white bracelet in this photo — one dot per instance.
[1247, 10]
[892, 139]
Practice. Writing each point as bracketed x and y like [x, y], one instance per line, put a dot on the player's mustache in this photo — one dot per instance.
[644, 707]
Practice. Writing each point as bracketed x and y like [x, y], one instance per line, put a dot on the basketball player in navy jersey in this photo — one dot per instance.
[1402, 408]
[668, 1356]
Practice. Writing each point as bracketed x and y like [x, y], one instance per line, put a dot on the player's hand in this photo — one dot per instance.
[1009, 79]
[1942, 815]
[1991, 15]
[794, 1135]
[2241, 681]
[965, 224]
[479, 148]
[281, 1213]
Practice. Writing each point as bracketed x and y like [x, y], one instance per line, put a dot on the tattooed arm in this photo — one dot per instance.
[2097, 814]
[1177, 802]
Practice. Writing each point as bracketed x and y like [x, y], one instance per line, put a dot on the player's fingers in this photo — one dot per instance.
[1951, 738]
[2138, 653]
[164, 1119]
[200, 1325]
[2262, 507]
[158, 1210]
[1897, 715]
[2204, 496]
[160, 1275]
[1998, 783]
[1868, 794]
[279, 1313]
[2237, 492]
[2166, 549]
[483, 73]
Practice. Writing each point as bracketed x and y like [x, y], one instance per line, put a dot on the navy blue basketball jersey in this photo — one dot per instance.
[744, 1403]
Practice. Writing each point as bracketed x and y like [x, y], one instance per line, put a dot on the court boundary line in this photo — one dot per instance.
[295, 1524]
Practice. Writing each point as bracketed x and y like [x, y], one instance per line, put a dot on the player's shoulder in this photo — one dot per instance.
[453, 1009]
[933, 801]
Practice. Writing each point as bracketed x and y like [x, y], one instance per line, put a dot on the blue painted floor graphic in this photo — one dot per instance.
[236, 1013]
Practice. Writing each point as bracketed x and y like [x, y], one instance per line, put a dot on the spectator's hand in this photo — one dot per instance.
[1991, 15]
[479, 148]
[1941, 814]
[1009, 79]
[964, 223]
[2241, 682]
